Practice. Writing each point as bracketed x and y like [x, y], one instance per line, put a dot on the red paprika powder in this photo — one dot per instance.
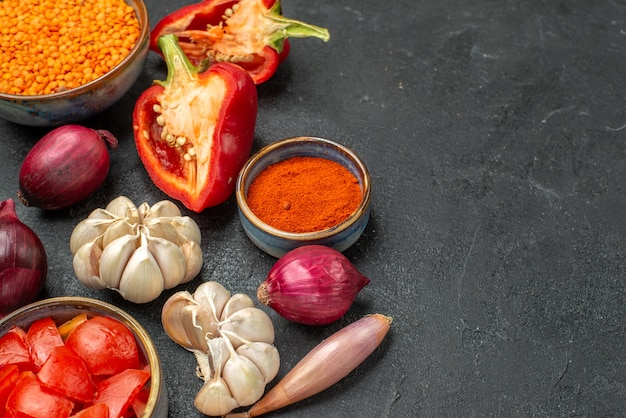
[304, 194]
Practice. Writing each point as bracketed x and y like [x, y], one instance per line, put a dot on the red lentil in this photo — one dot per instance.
[48, 46]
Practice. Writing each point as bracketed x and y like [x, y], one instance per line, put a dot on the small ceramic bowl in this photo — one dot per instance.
[62, 309]
[276, 242]
[88, 99]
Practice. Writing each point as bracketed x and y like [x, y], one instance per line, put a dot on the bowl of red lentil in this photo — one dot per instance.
[303, 191]
[62, 61]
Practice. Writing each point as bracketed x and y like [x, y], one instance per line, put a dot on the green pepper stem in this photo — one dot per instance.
[179, 69]
[292, 29]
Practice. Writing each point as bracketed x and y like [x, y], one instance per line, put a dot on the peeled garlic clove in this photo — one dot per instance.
[162, 209]
[172, 317]
[123, 207]
[116, 229]
[235, 303]
[142, 280]
[170, 259]
[264, 356]
[114, 258]
[248, 324]
[86, 262]
[212, 296]
[193, 259]
[86, 231]
[244, 379]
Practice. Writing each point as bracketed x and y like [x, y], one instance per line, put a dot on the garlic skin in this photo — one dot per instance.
[136, 251]
[232, 341]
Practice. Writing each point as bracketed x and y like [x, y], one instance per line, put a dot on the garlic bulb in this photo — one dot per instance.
[136, 251]
[232, 341]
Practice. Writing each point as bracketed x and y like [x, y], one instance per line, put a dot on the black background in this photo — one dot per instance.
[494, 133]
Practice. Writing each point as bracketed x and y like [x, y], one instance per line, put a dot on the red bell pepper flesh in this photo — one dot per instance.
[13, 349]
[32, 399]
[214, 112]
[105, 345]
[250, 33]
[9, 375]
[66, 373]
[99, 410]
[118, 392]
[41, 338]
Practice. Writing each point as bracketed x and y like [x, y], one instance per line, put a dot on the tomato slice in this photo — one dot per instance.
[13, 348]
[118, 392]
[106, 345]
[41, 338]
[30, 398]
[9, 375]
[65, 372]
[99, 410]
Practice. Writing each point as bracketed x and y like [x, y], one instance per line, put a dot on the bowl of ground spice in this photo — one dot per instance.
[63, 61]
[303, 191]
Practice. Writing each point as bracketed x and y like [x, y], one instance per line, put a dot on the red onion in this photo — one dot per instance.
[312, 285]
[23, 261]
[65, 166]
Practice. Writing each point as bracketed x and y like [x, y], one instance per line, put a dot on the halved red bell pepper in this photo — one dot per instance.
[194, 131]
[250, 33]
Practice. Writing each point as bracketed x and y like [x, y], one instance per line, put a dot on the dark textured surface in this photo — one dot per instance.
[495, 135]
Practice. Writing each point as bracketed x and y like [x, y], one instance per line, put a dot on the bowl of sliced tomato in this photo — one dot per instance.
[78, 357]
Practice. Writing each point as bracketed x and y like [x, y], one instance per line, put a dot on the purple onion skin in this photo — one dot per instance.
[23, 261]
[312, 285]
[64, 167]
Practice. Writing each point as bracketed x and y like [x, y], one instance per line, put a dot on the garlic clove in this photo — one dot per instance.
[116, 229]
[114, 259]
[212, 296]
[86, 262]
[123, 207]
[248, 324]
[172, 317]
[264, 356]
[162, 228]
[86, 231]
[101, 214]
[187, 228]
[214, 398]
[199, 326]
[244, 379]
[193, 259]
[235, 303]
[163, 209]
[141, 280]
[170, 259]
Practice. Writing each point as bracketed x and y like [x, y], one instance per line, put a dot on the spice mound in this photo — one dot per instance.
[50, 46]
[304, 194]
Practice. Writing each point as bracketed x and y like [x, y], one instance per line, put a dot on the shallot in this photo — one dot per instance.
[65, 166]
[23, 261]
[328, 363]
[312, 285]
